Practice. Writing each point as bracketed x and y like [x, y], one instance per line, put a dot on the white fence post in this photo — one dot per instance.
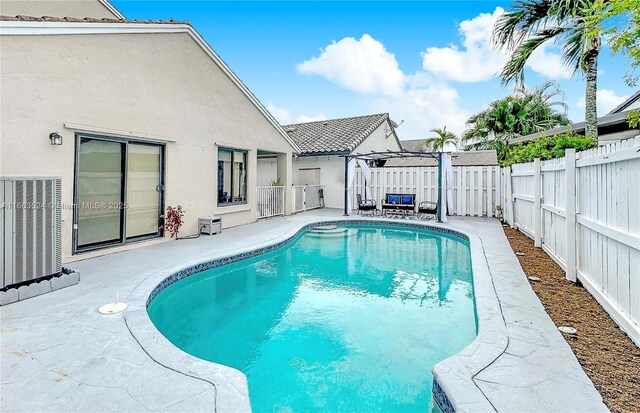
[304, 198]
[511, 199]
[489, 189]
[537, 207]
[498, 189]
[570, 212]
[284, 197]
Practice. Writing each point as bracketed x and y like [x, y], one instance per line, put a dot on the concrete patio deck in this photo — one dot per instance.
[59, 354]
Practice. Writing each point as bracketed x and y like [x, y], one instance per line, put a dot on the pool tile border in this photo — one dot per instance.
[441, 399]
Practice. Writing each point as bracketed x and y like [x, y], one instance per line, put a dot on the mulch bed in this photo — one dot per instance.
[606, 353]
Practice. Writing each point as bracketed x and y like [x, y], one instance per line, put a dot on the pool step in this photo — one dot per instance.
[327, 231]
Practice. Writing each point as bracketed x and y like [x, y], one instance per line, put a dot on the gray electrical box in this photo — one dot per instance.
[210, 225]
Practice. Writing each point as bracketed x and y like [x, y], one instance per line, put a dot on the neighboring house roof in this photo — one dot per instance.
[624, 105]
[615, 123]
[415, 145]
[335, 136]
[461, 158]
[28, 26]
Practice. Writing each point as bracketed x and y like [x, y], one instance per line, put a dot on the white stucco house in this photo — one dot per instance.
[323, 142]
[131, 116]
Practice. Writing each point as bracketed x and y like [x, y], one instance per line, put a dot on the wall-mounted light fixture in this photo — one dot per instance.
[55, 138]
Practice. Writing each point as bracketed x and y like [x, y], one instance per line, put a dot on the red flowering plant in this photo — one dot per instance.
[173, 220]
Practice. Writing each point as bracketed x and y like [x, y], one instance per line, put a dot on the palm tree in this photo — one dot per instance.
[526, 111]
[442, 138]
[528, 24]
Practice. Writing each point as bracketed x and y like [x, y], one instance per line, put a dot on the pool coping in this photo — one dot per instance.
[453, 385]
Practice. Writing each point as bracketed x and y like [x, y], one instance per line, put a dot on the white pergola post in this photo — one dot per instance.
[440, 179]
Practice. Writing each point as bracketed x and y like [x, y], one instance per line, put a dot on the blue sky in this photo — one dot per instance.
[429, 63]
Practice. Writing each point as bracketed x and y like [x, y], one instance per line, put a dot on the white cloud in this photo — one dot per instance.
[361, 65]
[312, 118]
[477, 60]
[423, 109]
[549, 64]
[282, 115]
[607, 99]
[364, 65]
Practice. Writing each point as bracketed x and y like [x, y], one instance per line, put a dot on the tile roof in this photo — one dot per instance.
[335, 135]
[22, 18]
[415, 145]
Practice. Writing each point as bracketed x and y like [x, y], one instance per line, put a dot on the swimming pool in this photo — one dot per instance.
[348, 321]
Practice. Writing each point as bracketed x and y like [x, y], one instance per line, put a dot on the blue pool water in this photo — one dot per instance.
[342, 323]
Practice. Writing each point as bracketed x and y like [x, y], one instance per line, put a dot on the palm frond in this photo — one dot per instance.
[514, 68]
[521, 19]
[572, 49]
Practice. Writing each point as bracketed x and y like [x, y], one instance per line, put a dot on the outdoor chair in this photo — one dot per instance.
[400, 203]
[426, 208]
[368, 205]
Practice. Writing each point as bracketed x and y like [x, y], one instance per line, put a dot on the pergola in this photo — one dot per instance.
[379, 156]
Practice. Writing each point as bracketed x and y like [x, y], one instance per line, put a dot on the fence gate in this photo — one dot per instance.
[270, 201]
[306, 197]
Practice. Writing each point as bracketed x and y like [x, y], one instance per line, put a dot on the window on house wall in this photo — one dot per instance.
[232, 176]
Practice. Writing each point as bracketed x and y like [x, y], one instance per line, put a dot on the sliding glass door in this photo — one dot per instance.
[143, 183]
[100, 172]
[118, 193]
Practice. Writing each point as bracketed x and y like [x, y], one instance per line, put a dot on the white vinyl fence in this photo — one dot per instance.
[584, 211]
[270, 201]
[305, 197]
[476, 189]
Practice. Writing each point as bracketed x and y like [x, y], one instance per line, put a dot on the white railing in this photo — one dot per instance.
[306, 197]
[476, 189]
[270, 201]
[584, 211]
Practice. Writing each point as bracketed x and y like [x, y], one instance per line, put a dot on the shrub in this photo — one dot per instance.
[547, 148]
